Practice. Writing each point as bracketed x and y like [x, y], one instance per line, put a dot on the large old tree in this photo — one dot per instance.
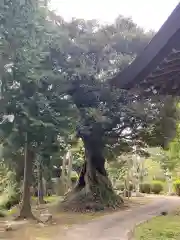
[110, 120]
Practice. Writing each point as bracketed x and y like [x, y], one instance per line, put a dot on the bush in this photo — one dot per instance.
[157, 187]
[145, 188]
[8, 202]
[9, 191]
[12, 201]
[74, 177]
[9, 198]
[176, 185]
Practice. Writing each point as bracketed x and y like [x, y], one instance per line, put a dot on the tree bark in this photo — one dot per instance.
[62, 184]
[40, 185]
[25, 211]
[94, 162]
[94, 189]
[69, 172]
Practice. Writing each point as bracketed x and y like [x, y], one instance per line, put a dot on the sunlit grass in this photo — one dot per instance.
[160, 228]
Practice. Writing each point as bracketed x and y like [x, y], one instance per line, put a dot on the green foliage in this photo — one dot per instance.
[9, 191]
[94, 54]
[163, 130]
[7, 178]
[39, 112]
[77, 151]
[154, 166]
[172, 159]
[169, 158]
[28, 80]
[117, 169]
[176, 185]
[9, 198]
[74, 177]
[156, 187]
[145, 188]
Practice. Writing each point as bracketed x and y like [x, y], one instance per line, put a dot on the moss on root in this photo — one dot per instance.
[94, 196]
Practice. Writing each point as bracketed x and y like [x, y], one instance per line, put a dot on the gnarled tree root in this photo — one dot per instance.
[96, 195]
[26, 216]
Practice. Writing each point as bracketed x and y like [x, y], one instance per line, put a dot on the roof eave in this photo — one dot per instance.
[161, 44]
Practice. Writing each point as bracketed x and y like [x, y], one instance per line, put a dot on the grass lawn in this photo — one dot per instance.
[160, 228]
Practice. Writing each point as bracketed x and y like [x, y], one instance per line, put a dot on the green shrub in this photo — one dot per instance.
[74, 177]
[145, 188]
[12, 201]
[7, 177]
[3, 201]
[8, 202]
[9, 191]
[157, 187]
[9, 198]
[176, 185]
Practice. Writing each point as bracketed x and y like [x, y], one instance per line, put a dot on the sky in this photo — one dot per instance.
[150, 14]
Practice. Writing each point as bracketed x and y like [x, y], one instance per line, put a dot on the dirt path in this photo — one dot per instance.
[116, 226]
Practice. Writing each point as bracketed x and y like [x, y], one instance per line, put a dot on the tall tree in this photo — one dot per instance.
[110, 119]
[27, 92]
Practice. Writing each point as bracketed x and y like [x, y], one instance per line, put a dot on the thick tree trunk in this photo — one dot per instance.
[44, 186]
[94, 190]
[40, 185]
[61, 184]
[69, 172]
[25, 211]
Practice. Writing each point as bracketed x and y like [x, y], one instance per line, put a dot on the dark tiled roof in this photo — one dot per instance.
[166, 76]
[159, 64]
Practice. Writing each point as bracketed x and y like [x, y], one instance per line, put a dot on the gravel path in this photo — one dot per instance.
[116, 225]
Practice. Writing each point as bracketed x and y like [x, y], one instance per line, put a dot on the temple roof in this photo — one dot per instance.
[159, 63]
